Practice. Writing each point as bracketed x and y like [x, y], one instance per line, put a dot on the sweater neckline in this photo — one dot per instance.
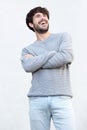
[45, 40]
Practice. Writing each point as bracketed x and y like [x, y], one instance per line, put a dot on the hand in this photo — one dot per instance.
[28, 56]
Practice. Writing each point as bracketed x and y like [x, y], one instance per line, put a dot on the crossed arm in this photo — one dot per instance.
[49, 60]
[32, 63]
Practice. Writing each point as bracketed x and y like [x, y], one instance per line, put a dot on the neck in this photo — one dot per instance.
[41, 37]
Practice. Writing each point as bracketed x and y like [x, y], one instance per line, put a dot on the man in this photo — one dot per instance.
[48, 59]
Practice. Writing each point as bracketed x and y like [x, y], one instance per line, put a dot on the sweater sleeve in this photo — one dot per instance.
[36, 62]
[63, 56]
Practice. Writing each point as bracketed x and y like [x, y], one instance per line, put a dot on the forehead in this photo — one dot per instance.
[38, 14]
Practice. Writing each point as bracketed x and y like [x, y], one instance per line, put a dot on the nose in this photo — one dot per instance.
[43, 17]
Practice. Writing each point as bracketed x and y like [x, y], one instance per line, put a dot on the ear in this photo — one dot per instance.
[31, 25]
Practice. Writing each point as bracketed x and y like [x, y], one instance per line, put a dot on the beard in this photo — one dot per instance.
[40, 30]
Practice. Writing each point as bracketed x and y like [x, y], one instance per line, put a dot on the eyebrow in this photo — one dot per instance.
[38, 14]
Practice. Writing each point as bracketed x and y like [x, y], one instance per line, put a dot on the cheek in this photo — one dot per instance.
[35, 22]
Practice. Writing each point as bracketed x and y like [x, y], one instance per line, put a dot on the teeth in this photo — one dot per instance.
[42, 22]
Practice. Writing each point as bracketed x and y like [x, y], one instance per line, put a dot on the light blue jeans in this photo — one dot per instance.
[57, 108]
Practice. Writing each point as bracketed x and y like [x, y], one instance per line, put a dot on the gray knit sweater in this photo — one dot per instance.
[50, 65]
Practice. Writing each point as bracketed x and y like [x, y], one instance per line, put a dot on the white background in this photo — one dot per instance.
[65, 16]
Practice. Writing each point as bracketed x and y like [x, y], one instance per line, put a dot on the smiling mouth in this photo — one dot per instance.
[43, 22]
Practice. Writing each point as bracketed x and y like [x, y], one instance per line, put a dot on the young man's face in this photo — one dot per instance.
[40, 23]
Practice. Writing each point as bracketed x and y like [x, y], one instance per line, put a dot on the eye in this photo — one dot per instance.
[44, 15]
[37, 15]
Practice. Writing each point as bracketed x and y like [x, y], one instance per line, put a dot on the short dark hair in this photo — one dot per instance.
[32, 12]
